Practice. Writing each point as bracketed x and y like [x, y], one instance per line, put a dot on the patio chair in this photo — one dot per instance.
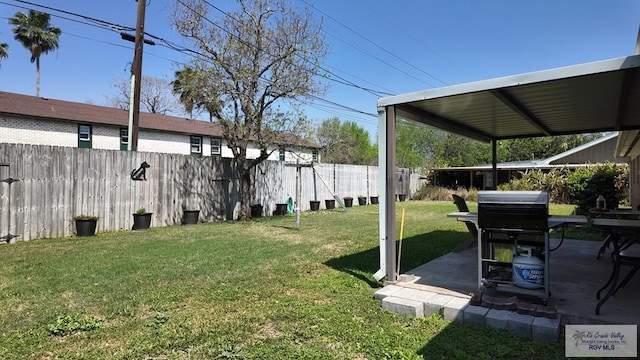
[461, 204]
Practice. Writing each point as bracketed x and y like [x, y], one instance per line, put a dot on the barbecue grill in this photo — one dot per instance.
[513, 210]
[512, 221]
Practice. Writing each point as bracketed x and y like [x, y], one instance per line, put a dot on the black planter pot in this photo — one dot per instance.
[314, 205]
[281, 209]
[374, 200]
[141, 221]
[402, 197]
[256, 210]
[190, 217]
[348, 201]
[330, 204]
[362, 201]
[86, 227]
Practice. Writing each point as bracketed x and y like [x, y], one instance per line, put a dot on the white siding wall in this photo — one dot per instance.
[57, 133]
[104, 137]
[154, 141]
[21, 131]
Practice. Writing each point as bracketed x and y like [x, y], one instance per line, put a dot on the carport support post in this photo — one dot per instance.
[494, 164]
[387, 195]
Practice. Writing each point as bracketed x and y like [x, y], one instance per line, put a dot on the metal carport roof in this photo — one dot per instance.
[585, 98]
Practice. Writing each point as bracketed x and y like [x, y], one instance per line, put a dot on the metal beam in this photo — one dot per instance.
[511, 102]
[624, 99]
[435, 120]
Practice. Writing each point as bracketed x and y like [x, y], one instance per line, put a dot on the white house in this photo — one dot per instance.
[41, 121]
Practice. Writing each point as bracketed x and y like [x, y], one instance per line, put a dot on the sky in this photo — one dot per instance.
[391, 47]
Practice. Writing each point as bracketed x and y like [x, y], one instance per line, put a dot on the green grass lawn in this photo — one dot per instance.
[236, 290]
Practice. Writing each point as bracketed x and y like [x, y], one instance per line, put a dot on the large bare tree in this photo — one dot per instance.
[249, 64]
[156, 96]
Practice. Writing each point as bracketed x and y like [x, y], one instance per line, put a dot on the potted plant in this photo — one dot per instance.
[190, 217]
[374, 200]
[330, 204]
[348, 201]
[362, 200]
[256, 210]
[141, 219]
[281, 209]
[314, 205]
[402, 197]
[86, 225]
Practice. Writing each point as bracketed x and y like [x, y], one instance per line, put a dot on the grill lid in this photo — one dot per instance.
[513, 210]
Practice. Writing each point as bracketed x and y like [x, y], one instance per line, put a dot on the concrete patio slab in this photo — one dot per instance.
[575, 276]
[444, 284]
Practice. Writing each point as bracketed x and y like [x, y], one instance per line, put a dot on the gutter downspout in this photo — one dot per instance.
[386, 184]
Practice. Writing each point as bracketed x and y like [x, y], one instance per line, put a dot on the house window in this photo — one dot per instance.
[124, 139]
[216, 149]
[314, 154]
[84, 136]
[196, 145]
[281, 152]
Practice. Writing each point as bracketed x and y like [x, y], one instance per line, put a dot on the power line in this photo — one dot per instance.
[344, 106]
[378, 59]
[341, 79]
[417, 40]
[98, 21]
[378, 46]
[101, 24]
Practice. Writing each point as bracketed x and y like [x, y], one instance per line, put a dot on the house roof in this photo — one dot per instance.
[46, 108]
[586, 98]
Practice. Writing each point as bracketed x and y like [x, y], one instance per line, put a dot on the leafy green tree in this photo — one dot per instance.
[542, 147]
[249, 62]
[345, 143]
[412, 149]
[35, 33]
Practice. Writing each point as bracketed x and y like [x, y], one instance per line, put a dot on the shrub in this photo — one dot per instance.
[608, 179]
[438, 193]
[553, 182]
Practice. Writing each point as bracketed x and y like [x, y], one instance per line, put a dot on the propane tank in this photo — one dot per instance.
[528, 270]
[601, 202]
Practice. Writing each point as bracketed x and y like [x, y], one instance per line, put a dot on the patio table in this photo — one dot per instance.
[554, 221]
[619, 232]
[613, 214]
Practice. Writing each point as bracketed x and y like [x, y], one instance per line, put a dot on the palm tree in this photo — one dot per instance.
[35, 33]
[4, 51]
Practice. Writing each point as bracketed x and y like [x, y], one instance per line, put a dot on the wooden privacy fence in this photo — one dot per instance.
[58, 183]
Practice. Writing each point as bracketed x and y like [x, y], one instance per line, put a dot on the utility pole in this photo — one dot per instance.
[136, 78]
